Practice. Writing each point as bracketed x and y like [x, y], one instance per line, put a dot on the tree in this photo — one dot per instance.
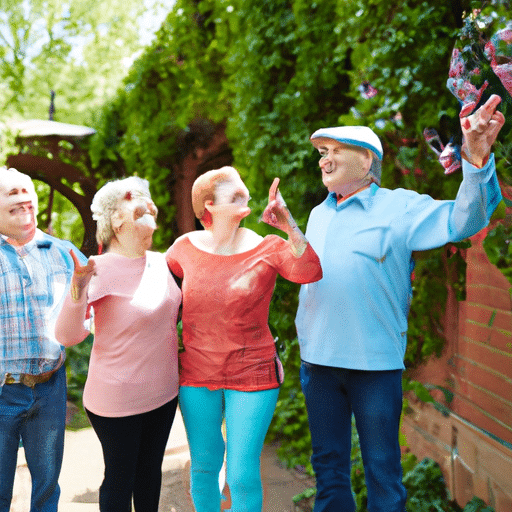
[80, 50]
[77, 53]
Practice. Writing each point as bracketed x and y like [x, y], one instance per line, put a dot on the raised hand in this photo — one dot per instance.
[480, 130]
[276, 213]
[81, 276]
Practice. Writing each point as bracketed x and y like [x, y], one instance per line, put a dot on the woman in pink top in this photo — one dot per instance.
[229, 366]
[131, 390]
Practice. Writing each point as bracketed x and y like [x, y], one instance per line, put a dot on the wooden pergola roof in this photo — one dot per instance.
[39, 143]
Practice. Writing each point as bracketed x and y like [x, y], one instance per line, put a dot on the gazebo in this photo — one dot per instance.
[47, 151]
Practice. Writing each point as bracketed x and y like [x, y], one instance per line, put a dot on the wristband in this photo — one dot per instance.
[75, 293]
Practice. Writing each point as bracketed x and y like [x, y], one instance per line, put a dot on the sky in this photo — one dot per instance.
[153, 18]
[150, 22]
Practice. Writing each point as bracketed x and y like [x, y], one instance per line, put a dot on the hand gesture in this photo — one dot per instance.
[276, 213]
[81, 275]
[480, 130]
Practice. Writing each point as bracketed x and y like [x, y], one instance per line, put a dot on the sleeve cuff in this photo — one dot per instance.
[470, 168]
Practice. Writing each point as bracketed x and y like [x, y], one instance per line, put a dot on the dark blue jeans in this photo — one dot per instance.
[37, 417]
[375, 399]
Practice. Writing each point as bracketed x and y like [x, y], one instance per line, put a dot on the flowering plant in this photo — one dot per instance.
[481, 65]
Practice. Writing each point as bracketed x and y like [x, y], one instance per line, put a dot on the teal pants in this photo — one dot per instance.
[248, 416]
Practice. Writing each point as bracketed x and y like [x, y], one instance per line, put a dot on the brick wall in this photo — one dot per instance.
[472, 438]
[484, 355]
[473, 463]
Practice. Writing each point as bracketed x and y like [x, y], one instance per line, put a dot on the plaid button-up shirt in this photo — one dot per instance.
[34, 280]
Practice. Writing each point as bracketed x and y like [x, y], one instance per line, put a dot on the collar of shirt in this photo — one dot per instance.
[364, 198]
[40, 240]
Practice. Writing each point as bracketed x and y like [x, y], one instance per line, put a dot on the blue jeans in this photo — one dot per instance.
[248, 416]
[37, 417]
[375, 399]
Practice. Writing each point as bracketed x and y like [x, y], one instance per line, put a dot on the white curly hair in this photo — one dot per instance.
[30, 185]
[106, 202]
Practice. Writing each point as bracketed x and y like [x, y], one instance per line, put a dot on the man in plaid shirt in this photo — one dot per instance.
[35, 274]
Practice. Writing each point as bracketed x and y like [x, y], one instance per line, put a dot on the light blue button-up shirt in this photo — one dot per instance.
[356, 315]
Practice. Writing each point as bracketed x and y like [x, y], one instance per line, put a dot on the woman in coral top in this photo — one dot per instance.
[229, 367]
[131, 390]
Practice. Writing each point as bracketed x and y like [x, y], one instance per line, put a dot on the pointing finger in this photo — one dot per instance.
[272, 193]
[490, 105]
[488, 109]
[75, 259]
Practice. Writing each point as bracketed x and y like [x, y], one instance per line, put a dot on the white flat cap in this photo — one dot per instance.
[361, 136]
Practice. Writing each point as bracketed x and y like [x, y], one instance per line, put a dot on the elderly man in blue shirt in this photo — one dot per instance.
[352, 324]
[35, 275]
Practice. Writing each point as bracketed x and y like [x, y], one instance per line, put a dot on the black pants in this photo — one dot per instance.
[133, 451]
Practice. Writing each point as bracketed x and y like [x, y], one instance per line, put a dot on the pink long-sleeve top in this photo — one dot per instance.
[226, 298]
[134, 359]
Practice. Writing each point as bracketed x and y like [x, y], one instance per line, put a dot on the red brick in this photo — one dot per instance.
[490, 336]
[482, 488]
[421, 443]
[477, 361]
[480, 270]
[488, 296]
[477, 256]
[463, 482]
[471, 413]
[482, 467]
[486, 355]
[495, 462]
[497, 408]
[485, 377]
[484, 315]
[478, 238]
[503, 502]
[489, 460]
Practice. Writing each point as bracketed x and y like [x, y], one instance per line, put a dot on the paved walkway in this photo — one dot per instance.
[82, 473]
